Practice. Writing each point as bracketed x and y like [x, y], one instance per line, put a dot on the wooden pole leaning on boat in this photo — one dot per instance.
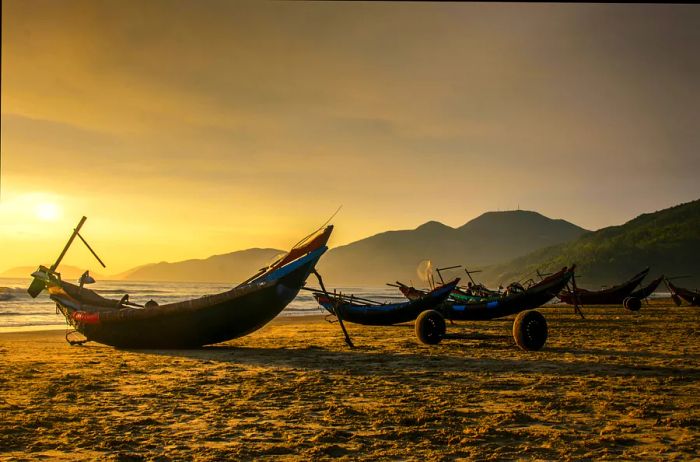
[575, 299]
[335, 308]
[91, 251]
[469, 273]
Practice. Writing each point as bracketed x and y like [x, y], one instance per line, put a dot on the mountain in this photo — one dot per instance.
[231, 267]
[69, 273]
[385, 257]
[490, 238]
[668, 241]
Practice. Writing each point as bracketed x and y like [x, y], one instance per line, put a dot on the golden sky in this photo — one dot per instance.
[189, 128]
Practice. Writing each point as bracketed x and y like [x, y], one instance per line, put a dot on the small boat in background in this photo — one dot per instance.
[611, 296]
[679, 294]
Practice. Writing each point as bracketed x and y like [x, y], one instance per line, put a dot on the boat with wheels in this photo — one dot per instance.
[529, 327]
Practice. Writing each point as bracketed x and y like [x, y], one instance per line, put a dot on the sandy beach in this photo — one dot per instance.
[616, 385]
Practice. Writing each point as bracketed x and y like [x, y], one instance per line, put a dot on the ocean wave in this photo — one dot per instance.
[12, 290]
[26, 313]
[21, 310]
[132, 291]
[32, 324]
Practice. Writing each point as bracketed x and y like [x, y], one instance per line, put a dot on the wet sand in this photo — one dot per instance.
[615, 386]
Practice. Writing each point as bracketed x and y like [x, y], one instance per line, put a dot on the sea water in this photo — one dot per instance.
[18, 311]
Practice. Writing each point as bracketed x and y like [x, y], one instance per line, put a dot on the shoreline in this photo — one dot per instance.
[287, 319]
[317, 313]
[280, 319]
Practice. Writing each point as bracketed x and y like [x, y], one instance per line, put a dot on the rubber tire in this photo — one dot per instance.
[632, 304]
[530, 330]
[430, 327]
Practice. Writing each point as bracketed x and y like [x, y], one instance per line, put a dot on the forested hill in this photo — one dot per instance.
[668, 241]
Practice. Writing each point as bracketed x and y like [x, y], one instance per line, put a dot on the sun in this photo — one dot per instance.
[47, 211]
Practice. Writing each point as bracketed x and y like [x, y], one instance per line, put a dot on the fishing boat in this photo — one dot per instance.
[692, 297]
[497, 306]
[529, 327]
[372, 313]
[611, 296]
[192, 323]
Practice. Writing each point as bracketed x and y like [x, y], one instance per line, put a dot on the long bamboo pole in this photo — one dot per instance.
[68, 244]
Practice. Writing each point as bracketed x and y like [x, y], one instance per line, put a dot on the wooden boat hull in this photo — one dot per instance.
[389, 314]
[611, 296]
[211, 319]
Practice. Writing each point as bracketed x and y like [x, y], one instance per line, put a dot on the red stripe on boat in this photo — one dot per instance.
[84, 317]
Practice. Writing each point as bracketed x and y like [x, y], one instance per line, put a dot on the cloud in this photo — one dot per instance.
[235, 112]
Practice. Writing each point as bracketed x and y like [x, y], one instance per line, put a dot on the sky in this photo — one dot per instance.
[184, 129]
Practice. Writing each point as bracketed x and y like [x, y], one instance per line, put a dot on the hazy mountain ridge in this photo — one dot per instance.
[667, 240]
[230, 267]
[487, 239]
[490, 238]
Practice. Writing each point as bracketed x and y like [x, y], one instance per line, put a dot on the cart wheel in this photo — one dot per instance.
[430, 327]
[632, 303]
[530, 330]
